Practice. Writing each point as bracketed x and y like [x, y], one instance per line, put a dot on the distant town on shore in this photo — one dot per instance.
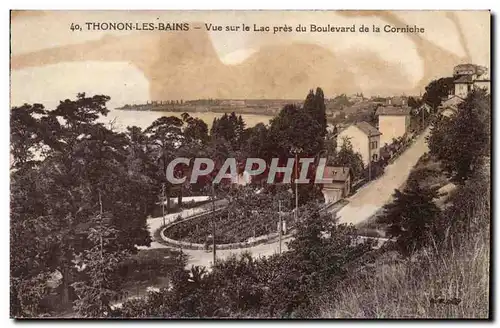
[340, 108]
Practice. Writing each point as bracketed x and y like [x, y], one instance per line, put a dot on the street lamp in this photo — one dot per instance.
[213, 223]
[280, 223]
[296, 151]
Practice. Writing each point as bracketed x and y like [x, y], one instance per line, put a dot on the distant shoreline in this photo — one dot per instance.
[229, 110]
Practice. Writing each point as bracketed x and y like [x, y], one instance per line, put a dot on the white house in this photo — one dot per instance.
[463, 85]
[365, 139]
[469, 77]
[483, 82]
[393, 122]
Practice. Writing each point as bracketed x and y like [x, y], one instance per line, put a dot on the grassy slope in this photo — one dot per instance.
[392, 287]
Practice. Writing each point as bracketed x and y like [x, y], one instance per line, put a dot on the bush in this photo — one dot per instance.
[447, 282]
[413, 219]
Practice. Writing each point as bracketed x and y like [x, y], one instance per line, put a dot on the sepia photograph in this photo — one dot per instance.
[250, 164]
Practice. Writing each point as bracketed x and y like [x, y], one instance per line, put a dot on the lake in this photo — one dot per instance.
[143, 119]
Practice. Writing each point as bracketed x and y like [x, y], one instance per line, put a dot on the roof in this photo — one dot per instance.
[391, 110]
[482, 78]
[397, 100]
[337, 173]
[447, 111]
[367, 129]
[425, 106]
[465, 68]
[361, 106]
[452, 101]
[464, 79]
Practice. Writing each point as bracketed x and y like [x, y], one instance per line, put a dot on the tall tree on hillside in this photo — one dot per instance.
[438, 90]
[315, 105]
[413, 219]
[461, 141]
[319, 100]
[309, 101]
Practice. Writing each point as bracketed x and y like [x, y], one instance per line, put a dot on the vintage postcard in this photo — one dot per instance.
[250, 164]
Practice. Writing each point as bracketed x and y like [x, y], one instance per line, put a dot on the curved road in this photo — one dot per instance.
[361, 206]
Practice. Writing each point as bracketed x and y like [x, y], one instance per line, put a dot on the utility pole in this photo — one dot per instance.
[296, 184]
[213, 197]
[280, 224]
[100, 222]
[213, 223]
[369, 160]
[163, 201]
[100, 239]
[423, 119]
[213, 240]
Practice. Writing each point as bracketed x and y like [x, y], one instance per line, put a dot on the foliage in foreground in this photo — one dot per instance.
[413, 219]
[447, 282]
[461, 141]
[277, 286]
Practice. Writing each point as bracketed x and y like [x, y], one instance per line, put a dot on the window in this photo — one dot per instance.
[373, 145]
[374, 157]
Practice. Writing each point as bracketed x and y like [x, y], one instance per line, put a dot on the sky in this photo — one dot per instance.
[50, 62]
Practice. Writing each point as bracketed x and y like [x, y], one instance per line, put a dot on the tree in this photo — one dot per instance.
[414, 103]
[53, 202]
[257, 143]
[315, 104]
[295, 128]
[229, 127]
[413, 219]
[196, 129]
[100, 286]
[460, 142]
[317, 259]
[470, 206]
[347, 157]
[438, 90]
[165, 137]
[331, 146]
